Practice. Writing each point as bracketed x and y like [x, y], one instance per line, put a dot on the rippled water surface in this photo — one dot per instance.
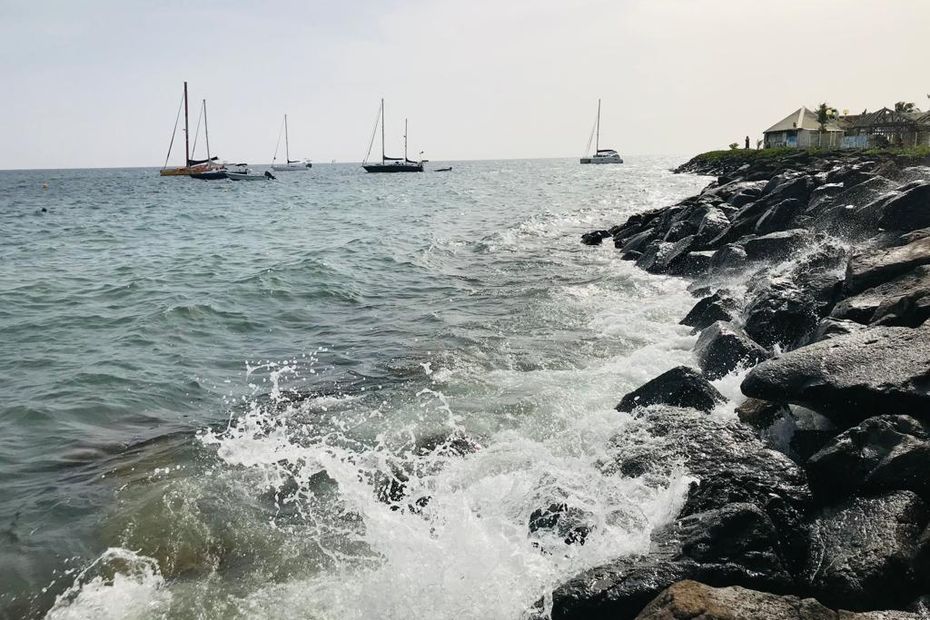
[336, 395]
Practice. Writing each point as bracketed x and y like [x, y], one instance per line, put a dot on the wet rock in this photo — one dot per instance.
[849, 378]
[909, 211]
[868, 553]
[730, 462]
[871, 268]
[637, 242]
[733, 545]
[780, 314]
[712, 224]
[904, 301]
[680, 387]
[729, 257]
[672, 258]
[654, 255]
[760, 414]
[829, 327]
[679, 230]
[777, 246]
[779, 216]
[594, 237]
[631, 255]
[723, 346]
[690, 600]
[798, 188]
[692, 264]
[884, 453]
[717, 307]
[811, 432]
[570, 524]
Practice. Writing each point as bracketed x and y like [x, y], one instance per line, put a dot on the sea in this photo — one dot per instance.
[335, 395]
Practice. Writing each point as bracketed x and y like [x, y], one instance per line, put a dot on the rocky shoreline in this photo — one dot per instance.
[812, 273]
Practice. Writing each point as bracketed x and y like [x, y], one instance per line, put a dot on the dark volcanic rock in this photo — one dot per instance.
[868, 553]
[570, 524]
[849, 378]
[884, 453]
[730, 256]
[733, 545]
[681, 387]
[690, 600]
[871, 268]
[903, 301]
[830, 327]
[780, 314]
[712, 224]
[760, 414]
[723, 346]
[679, 230]
[777, 246]
[717, 307]
[637, 242]
[779, 216]
[594, 237]
[909, 211]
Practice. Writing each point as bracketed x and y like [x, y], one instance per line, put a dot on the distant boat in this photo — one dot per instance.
[290, 165]
[601, 156]
[192, 166]
[244, 173]
[449, 169]
[390, 164]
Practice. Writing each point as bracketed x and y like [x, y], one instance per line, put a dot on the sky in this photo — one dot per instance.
[97, 83]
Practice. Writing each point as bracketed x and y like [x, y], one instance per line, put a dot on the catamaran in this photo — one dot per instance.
[601, 156]
[290, 164]
[390, 164]
[192, 166]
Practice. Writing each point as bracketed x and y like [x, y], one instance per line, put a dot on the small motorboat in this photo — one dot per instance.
[449, 169]
[243, 173]
[210, 175]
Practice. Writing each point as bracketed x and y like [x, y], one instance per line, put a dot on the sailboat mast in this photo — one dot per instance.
[597, 137]
[287, 148]
[405, 140]
[382, 130]
[187, 133]
[206, 130]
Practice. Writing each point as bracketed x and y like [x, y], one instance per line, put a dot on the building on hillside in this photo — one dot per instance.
[800, 129]
[886, 127]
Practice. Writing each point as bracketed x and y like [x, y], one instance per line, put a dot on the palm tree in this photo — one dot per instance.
[905, 106]
[824, 115]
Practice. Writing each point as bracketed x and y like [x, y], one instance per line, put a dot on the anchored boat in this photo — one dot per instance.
[192, 166]
[390, 164]
[600, 156]
[290, 165]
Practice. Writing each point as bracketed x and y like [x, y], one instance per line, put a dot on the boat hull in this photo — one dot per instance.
[292, 167]
[213, 175]
[393, 167]
[601, 160]
[241, 176]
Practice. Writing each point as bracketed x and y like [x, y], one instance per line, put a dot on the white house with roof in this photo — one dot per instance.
[800, 129]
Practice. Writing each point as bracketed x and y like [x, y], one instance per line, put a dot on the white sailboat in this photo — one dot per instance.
[289, 165]
[600, 156]
[390, 164]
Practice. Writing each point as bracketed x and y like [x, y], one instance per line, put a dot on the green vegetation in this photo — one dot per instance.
[744, 155]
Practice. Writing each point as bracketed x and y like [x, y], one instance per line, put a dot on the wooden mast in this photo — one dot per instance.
[287, 148]
[187, 142]
[206, 130]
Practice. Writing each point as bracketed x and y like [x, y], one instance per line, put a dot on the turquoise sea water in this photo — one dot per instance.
[336, 395]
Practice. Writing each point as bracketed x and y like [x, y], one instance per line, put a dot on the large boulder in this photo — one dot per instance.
[736, 544]
[712, 224]
[730, 463]
[690, 600]
[904, 301]
[781, 313]
[680, 387]
[594, 237]
[909, 211]
[884, 453]
[777, 246]
[717, 307]
[871, 268]
[849, 378]
[779, 216]
[723, 346]
[729, 257]
[868, 553]
[636, 242]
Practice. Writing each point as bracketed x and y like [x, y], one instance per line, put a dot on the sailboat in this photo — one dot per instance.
[290, 164]
[390, 164]
[216, 171]
[601, 156]
[191, 165]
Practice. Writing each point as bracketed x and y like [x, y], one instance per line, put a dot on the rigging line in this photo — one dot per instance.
[196, 134]
[374, 132]
[177, 119]
[591, 138]
[278, 145]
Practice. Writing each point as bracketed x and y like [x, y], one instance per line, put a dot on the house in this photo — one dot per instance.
[886, 127]
[801, 129]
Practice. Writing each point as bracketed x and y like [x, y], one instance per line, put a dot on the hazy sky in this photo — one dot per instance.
[97, 83]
